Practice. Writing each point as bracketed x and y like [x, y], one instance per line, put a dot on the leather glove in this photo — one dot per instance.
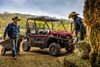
[79, 35]
[4, 37]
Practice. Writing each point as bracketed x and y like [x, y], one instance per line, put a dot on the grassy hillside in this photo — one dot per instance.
[7, 18]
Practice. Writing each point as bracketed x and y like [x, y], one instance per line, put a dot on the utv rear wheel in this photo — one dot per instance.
[54, 49]
[70, 48]
[25, 46]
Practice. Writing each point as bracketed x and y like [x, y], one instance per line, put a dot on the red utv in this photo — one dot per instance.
[46, 37]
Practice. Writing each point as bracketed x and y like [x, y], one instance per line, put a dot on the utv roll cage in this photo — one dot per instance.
[46, 19]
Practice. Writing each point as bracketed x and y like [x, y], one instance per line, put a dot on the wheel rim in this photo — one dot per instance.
[24, 46]
[53, 50]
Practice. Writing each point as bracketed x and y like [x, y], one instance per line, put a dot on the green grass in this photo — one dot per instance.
[22, 31]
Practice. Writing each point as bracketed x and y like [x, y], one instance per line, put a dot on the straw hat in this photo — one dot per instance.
[72, 14]
[16, 18]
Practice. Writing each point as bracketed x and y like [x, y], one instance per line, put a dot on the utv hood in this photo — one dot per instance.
[62, 34]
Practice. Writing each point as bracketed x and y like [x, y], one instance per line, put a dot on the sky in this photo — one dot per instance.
[53, 8]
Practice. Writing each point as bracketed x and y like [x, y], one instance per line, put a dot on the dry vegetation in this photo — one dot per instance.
[92, 18]
[80, 57]
[34, 58]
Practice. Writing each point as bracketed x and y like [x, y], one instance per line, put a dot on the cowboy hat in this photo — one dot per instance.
[72, 14]
[16, 18]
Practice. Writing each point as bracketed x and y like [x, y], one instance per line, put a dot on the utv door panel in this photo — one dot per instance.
[38, 40]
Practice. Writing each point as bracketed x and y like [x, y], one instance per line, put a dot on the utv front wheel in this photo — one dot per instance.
[25, 46]
[70, 48]
[54, 49]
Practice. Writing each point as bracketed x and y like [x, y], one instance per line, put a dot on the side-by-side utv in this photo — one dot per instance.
[47, 37]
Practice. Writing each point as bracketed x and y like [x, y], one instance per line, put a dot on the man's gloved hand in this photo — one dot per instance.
[4, 37]
[79, 35]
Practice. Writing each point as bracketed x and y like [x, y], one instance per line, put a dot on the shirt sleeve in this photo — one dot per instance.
[80, 24]
[7, 29]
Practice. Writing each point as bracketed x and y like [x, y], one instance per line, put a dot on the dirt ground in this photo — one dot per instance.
[36, 57]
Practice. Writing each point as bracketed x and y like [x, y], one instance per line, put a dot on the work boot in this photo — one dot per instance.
[15, 58]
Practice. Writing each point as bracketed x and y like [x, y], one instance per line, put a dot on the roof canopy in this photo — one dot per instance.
[44, 18]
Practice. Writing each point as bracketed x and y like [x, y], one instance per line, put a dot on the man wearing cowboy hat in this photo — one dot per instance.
[79, 27]
[13, 30]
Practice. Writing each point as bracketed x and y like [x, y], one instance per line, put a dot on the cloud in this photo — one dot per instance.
[43, 7]
[17, 1]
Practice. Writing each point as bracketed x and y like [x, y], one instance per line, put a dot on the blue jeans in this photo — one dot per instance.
[77, 39]
[14, 43]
